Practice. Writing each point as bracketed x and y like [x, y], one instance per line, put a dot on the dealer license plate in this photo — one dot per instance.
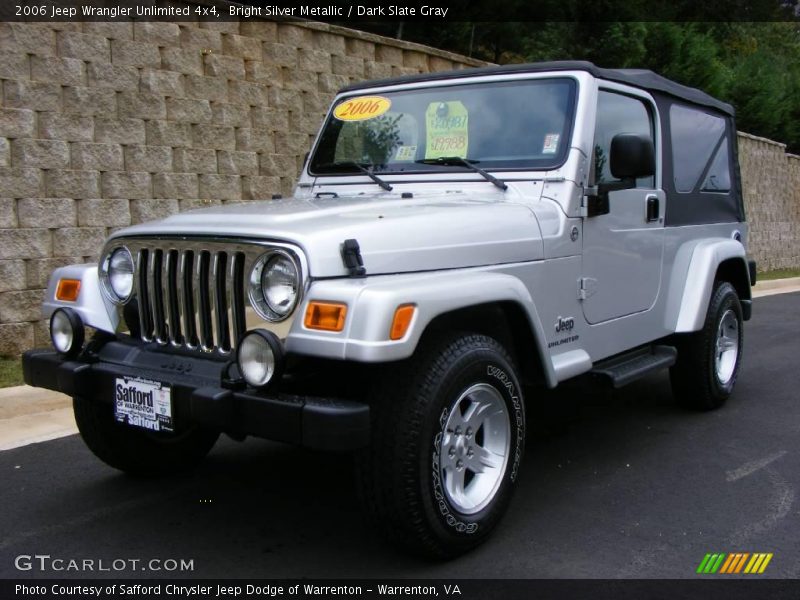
[143, 403]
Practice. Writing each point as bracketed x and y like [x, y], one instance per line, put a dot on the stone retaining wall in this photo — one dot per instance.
[771, 186]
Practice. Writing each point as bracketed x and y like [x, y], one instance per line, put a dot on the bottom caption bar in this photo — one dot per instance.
[540, 589]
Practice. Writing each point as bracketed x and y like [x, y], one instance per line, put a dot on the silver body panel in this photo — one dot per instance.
[92, 305]
[617, 279]
[396, 235]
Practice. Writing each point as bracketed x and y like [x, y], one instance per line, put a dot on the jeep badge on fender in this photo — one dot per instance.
[410, 297]
[565, 324]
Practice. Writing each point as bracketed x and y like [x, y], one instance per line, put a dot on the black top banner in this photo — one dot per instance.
[349, 12]
[470, 589]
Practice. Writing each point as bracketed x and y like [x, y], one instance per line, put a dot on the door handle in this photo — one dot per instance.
[653, 208]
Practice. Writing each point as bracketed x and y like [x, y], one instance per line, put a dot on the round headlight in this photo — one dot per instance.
[66, 331]
[119, 273]
[260, 357]
[275, 286]
[279, 283]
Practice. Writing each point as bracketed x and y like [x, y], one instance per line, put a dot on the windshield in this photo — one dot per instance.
[497, 125]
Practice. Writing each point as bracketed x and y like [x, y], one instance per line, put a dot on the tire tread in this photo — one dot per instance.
[133, 451]
[388, 481]
[693, 380]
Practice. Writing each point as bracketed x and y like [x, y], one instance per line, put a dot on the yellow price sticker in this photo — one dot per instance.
[362, 108]
[447, 130]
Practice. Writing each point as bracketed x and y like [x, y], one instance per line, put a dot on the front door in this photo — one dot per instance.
[622, 250]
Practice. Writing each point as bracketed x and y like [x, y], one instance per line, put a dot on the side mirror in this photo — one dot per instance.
[632, 156]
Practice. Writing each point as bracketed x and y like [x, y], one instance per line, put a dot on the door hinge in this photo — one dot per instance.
[586, 287]
[588, 192]
[595, 201]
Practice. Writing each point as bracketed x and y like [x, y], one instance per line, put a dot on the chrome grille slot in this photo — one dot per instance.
[186, 293]
[193, 293]
[220, 296]
[154, 279]
[236, 287]
[205, 326]
[143, 294]
[173, 304]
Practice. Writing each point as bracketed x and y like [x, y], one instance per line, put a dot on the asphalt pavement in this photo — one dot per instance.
[614, 484]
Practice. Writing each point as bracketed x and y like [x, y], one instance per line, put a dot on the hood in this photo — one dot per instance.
[442, 231]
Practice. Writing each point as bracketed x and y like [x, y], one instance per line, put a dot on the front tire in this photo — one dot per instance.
[448, 438]
[708, 360]
[138, 451]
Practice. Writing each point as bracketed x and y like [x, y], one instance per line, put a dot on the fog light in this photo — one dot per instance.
[260, 357]
[66, 332]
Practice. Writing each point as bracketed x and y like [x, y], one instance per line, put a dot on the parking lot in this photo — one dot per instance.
[621, 484]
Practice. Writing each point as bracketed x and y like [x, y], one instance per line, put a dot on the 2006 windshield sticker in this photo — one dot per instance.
[362, 108]
[447, 130]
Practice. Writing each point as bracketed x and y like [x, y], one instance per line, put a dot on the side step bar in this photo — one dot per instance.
[623, 369]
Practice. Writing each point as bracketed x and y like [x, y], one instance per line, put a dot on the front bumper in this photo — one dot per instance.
[200, 397]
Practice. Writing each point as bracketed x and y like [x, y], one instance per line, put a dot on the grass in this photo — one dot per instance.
[10, 372]
[778, 274]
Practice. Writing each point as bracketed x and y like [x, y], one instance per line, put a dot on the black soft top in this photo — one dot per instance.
[640, 78]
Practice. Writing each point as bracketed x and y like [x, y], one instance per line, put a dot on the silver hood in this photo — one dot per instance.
[436, 231]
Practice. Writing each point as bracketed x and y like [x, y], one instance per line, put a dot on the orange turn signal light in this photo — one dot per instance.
[68, 289]
[326, 316]
[402, 320]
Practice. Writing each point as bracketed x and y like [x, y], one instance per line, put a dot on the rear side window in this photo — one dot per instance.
[699, 151]
[718, 178]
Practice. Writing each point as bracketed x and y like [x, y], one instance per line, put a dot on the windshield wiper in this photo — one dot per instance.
[363, 169]
[455, 161]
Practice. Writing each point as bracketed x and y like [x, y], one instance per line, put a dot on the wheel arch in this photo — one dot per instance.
[735, 272]
[697, 268]
[458, 299]
[507, 322]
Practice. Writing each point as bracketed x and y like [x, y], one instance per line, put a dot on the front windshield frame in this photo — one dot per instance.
[318, 166]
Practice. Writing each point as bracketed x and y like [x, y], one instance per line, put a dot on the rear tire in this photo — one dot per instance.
[138, 451]
[708, 360]
[448, 435]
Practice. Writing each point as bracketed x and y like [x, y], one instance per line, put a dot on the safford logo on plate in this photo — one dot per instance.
[143, 403]
[362, 108]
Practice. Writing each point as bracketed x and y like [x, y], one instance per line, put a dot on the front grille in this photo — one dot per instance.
[191, 297]
[191, 292]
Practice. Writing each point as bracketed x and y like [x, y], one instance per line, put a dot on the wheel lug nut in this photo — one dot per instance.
[451, 452]
[470, 452]
[459, 465]
[458, 431]
[469, 431]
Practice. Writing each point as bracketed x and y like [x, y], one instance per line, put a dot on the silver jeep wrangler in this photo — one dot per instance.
[456, 241]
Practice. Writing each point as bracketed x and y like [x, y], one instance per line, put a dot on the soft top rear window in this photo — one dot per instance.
[698, 138]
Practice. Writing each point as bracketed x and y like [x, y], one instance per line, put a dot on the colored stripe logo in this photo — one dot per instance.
[735, 563]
